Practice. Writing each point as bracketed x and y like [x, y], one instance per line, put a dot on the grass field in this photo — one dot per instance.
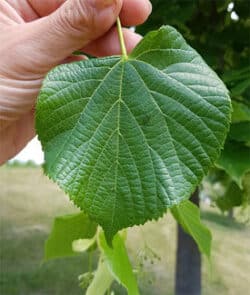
[29, 201]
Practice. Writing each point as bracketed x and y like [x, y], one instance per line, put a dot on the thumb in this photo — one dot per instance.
[82, 21]
[76, 23]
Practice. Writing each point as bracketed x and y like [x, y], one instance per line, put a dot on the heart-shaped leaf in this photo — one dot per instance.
[127, 139]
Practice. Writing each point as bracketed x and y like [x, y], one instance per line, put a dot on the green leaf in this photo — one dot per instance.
[240, 131]
[235, 160]
[118, 262]
[127, 139]
[187, 215]
[65, 230]
[102, 279]
[233, 197]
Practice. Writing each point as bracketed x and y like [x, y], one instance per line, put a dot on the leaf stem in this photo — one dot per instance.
[121, 38]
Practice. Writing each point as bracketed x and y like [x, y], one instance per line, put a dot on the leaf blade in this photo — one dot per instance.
[139, 134]
[235, 160]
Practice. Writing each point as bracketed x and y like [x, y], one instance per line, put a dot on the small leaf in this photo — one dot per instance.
[127, 139]
[233, 197]
[118, 262]
[102, 279]
[187, 215]
[82, 245]
[65, 230]
[235, 160]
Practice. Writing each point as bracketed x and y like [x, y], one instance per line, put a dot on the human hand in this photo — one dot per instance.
[37, 35]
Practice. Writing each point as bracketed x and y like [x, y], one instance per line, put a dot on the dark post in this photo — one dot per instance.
[231, 214]
[188, 261]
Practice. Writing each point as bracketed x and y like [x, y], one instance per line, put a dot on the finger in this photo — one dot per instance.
[45, 7]
[135, 12]
[74, 58]
[46, 42]
[24, 9]
[16, 136]
[109, 44]
[8, 15]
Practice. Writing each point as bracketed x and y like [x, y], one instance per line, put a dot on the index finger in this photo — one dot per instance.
[133, 12]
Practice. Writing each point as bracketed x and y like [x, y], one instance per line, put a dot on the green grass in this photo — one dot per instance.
[29, 202]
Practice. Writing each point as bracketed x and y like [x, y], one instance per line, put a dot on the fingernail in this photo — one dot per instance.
[108, 2]
[100, 4]
[149, 6]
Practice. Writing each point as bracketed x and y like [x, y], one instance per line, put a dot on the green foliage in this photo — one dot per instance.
[232, 197]
[224, 191]
[209, 28]
[246, 188]
[187, 214]
[240, 132]
[65, 230]
[117, 261]
[17, 163]
[235, 160]
[137, 135]
[241, 112]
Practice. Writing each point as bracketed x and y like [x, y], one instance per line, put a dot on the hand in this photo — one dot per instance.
[37, 35]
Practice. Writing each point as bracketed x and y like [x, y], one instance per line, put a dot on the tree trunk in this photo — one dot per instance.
[188, 261]
[231, 214]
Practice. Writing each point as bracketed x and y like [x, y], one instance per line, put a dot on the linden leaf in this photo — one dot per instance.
[235, 160]
[127, 139]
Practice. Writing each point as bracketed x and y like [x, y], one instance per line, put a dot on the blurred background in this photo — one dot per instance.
[220, 31]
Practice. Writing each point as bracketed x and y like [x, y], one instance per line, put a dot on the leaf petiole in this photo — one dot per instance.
[121, 39]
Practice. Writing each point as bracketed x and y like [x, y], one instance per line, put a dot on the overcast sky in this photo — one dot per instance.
[33, 151]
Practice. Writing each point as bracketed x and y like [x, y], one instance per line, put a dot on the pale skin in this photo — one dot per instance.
[36, 35]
